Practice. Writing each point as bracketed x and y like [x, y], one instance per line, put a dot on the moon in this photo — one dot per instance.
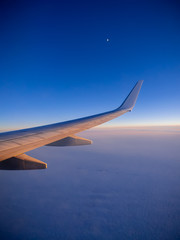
[107, 40]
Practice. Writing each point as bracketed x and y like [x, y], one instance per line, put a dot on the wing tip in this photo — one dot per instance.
[131, 99]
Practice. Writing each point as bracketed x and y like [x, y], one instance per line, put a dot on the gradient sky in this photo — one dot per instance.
[55, 62]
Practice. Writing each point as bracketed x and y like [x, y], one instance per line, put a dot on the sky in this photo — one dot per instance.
[56, 63]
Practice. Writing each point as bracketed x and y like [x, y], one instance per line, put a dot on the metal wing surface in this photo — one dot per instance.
[14, 144]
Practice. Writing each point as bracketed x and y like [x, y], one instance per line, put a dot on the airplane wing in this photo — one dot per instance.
[14, 144]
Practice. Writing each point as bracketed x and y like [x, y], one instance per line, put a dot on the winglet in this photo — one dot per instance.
[130, 101]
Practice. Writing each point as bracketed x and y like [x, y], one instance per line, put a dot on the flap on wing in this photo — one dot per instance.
[71, 141]
[22, 162]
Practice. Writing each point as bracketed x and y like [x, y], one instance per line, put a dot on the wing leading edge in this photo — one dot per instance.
[15, 143]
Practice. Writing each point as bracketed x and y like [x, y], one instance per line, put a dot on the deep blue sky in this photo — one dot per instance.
[55, 62]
